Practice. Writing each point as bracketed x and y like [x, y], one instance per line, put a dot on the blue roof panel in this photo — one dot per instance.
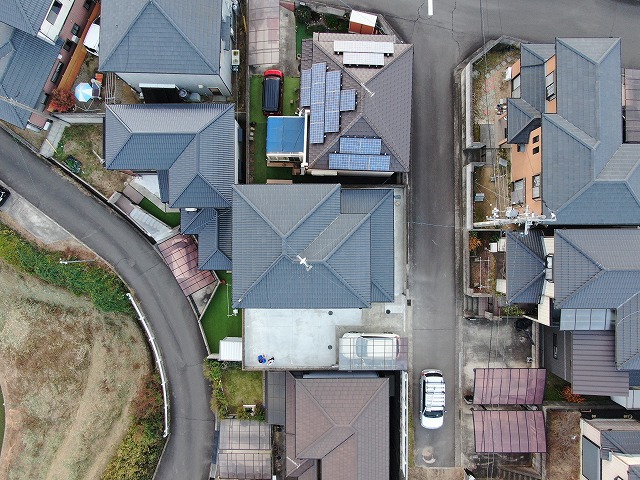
[285, 134]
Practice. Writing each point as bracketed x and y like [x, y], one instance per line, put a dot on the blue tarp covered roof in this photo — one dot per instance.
[285, 134]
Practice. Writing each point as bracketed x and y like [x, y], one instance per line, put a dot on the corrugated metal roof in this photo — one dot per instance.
[26, 71]
[25, 15]
[499, 431]
[532, 77]
[525, 267]
[163, 185]
[160, 35]
[593, 365]
[346, 255]
[342, 422]
[385, 114]
[523, 119]
[285, 134]
[509, 386]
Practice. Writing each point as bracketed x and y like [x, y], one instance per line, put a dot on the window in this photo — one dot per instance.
[67, 45]
[536, 150]
[57, 72]
[515, 87]
[517, 195]
[75, 30]
[535, 191]
[88, 4]
[520, 147]
[555, 346]
[550, 86]
[53, 13]
[536, 139]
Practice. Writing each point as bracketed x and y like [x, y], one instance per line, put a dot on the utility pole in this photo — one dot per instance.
[513, 217]
[15, 103]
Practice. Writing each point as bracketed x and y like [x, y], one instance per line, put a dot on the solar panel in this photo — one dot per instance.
[347, 100]
[364, 59]
[305, 88]
[332, 102]
[318, 80]
[348, 161]
[341, 46]
[359, 145]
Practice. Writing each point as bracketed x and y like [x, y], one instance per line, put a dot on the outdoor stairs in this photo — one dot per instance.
[510, 473]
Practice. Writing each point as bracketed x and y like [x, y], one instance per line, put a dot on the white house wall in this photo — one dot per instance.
[188, 82]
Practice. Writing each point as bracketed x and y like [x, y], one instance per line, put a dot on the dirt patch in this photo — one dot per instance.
[34, 139]
[84, 142]
[68, 373]
[563, 444]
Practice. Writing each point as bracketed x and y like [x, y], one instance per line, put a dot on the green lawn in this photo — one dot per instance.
[242, 388]
[170, 218]
[216, 322]
[553, 388]
[260, 170]
[302, 32]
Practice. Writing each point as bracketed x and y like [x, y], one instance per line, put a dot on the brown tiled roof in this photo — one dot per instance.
[342, 422]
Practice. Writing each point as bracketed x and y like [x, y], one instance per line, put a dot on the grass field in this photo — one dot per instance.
[302, 32]
[170, 218]
[216, 322]
[260, 170]
[242, 388]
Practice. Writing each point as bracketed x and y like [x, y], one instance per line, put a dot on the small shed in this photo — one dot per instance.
[361, 22]
[285, 138]
[230, 349]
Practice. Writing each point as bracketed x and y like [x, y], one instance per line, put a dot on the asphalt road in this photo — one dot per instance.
[190, 443]
[441, 42]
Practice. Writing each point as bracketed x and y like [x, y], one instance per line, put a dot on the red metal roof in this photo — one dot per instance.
[509, 386]
[180, 253]
[515, 431]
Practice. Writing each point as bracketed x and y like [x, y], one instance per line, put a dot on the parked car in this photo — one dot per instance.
[432, 399]
[92, 38]
[4, 194]
[370, 346]
[272, 89]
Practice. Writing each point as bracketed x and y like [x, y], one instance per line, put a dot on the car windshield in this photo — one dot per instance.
[433, 413]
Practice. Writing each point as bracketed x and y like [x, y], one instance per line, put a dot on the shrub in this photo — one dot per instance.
[62, 100]
[474, 243]
[213, 371]
[336, 24]
[569, 396]
[317, 28]
[303, 14]
[512, 311]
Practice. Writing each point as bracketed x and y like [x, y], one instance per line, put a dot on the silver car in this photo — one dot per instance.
[432, 399]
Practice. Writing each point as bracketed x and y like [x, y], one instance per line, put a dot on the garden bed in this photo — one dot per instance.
[233, 388]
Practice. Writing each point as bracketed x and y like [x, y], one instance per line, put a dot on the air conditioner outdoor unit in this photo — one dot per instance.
[235, 57]
[75, 39]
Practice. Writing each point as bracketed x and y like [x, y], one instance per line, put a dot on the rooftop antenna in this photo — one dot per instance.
[303, 261]
[512, 216]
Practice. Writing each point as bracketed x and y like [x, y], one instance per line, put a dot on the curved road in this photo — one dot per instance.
[188, 451]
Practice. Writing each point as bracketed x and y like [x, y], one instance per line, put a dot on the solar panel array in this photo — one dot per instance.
[341, 46]
[347, 100]
[332, 102]
[305, 88]
[360, 145]
[318, 82]
[363, 58]
[348, 161]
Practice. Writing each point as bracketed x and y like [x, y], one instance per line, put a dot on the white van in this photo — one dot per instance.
[92, 38]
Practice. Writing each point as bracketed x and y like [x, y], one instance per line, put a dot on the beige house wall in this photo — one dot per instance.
[525, 165]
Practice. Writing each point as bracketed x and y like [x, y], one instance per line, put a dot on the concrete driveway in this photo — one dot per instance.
[190, 443]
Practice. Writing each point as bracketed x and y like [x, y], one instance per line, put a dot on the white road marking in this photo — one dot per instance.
[430, 8]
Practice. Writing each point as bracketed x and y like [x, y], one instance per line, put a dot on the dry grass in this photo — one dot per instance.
[68, 373]
[563, 443]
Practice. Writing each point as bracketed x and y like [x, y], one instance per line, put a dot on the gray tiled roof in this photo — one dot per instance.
[593, 365]
[25, 15]
[596, 268]
[628, 334]
[525, 267]
[342, 422]
[24, 71]
[213, 236]
[163, 185]
[275, 397]
[523, 119]
[350, 252]
[194, 142]
[626, 442]
[384, 106]
[588, 176]
[634, 472]
[160, 36]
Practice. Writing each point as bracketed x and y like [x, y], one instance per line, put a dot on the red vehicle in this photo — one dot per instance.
[272, 88]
